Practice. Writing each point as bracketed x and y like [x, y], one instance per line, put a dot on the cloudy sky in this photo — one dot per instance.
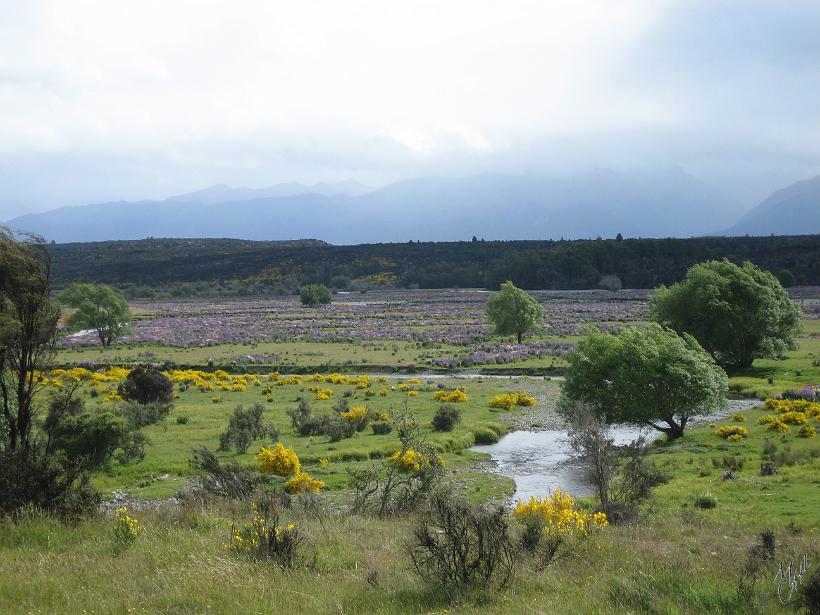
[103, 100]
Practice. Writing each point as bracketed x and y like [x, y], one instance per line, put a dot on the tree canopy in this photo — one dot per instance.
[645, 376]
[513, 311]
[98, 307]
[314, 294]
[736, 313]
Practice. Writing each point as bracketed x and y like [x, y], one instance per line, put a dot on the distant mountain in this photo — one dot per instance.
[221, 193]
[794, 210]
[493, 206]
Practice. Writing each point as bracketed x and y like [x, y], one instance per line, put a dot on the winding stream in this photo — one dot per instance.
[541, 461]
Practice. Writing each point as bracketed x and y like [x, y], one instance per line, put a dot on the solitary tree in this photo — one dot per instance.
[651, 377]
[513, 311]
[314, 294]
[98, 307]
[737, 314]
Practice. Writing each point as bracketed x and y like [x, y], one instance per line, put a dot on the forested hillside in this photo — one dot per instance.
[639, 263]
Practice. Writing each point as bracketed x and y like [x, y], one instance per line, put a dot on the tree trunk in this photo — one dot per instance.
[519, 337]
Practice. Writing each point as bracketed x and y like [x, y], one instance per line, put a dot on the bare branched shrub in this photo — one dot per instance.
[458, 547]
[228, 480]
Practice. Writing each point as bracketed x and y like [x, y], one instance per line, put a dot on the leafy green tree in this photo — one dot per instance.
[513, 311]
[786, 278]
[738, 314]
[98, 307]
[651, 377]
[314, 294]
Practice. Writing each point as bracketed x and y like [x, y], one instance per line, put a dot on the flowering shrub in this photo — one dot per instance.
[558, 515]
[508, 400]
[263, 536]
[303, 483]
[767, 419]
[728, 431]
[321, 394]
[807, 431]
[794, 418]
[737, 416]
[414, 461]
[456, 395]
[778, 426]
[804, 406]
[356, 413]
[126, 527]
[735, 437]
[279, 460]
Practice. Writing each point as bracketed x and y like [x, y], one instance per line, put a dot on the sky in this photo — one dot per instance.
[133, 100]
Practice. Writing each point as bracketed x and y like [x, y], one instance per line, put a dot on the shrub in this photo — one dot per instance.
[265, 536]
[727, 431]
[459, 547]
[358, 416]
[145, 386]
[229, 480]
[314, 294]
[706, 500]
[141, 415]
[807, 431]
[303, 483]
[739, 417]
[244, 426]
[454, 396]
[558, 515]
[126, 528]
[767, 468]
[279, 460]
[446, 418]
[183, 419]
[808, 593]
[381, 428]
[778, 426]
[508, 400]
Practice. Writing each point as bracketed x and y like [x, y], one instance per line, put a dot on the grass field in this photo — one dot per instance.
[172, 442]
[680, 559]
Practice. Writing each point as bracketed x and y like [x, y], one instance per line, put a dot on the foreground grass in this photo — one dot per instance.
[679, 559]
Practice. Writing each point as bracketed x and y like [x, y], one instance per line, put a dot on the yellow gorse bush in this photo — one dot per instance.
[355, 414]
[303, 483]
[727, 431]
[126, 527]
[794, 418]
[414, 461]
[558, 515]
[279, 460]
[807, 431]
[508, 400]
[259, 535]
[783, 406]
[455, 396]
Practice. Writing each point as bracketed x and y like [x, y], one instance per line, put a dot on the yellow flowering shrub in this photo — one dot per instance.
[732, 430]
[303, 483]
[357, 413]
[782, 406]
[279, 460]
[794, 418]
[778, 426]
[807, 431]
[767, 419]
[737, 416]
[263, 536]
[455, 396]
[558, 515]
[414, 461]
[735, 437]
[508, 400]
[126, 527]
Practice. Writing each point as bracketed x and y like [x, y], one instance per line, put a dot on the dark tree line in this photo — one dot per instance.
[581, 264]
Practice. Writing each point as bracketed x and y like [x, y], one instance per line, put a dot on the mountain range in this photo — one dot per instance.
[669, 203]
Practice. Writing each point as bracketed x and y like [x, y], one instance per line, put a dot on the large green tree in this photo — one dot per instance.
[100, 308]
[645, 376]
[736, 313]
[314, 294]
[514, 312]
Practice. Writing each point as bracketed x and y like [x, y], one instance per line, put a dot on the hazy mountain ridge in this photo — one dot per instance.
[792, 210]
[602, 203]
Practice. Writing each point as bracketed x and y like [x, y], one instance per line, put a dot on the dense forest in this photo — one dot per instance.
[199, 264]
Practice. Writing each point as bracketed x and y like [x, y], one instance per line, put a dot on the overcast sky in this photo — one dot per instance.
[107, 100]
